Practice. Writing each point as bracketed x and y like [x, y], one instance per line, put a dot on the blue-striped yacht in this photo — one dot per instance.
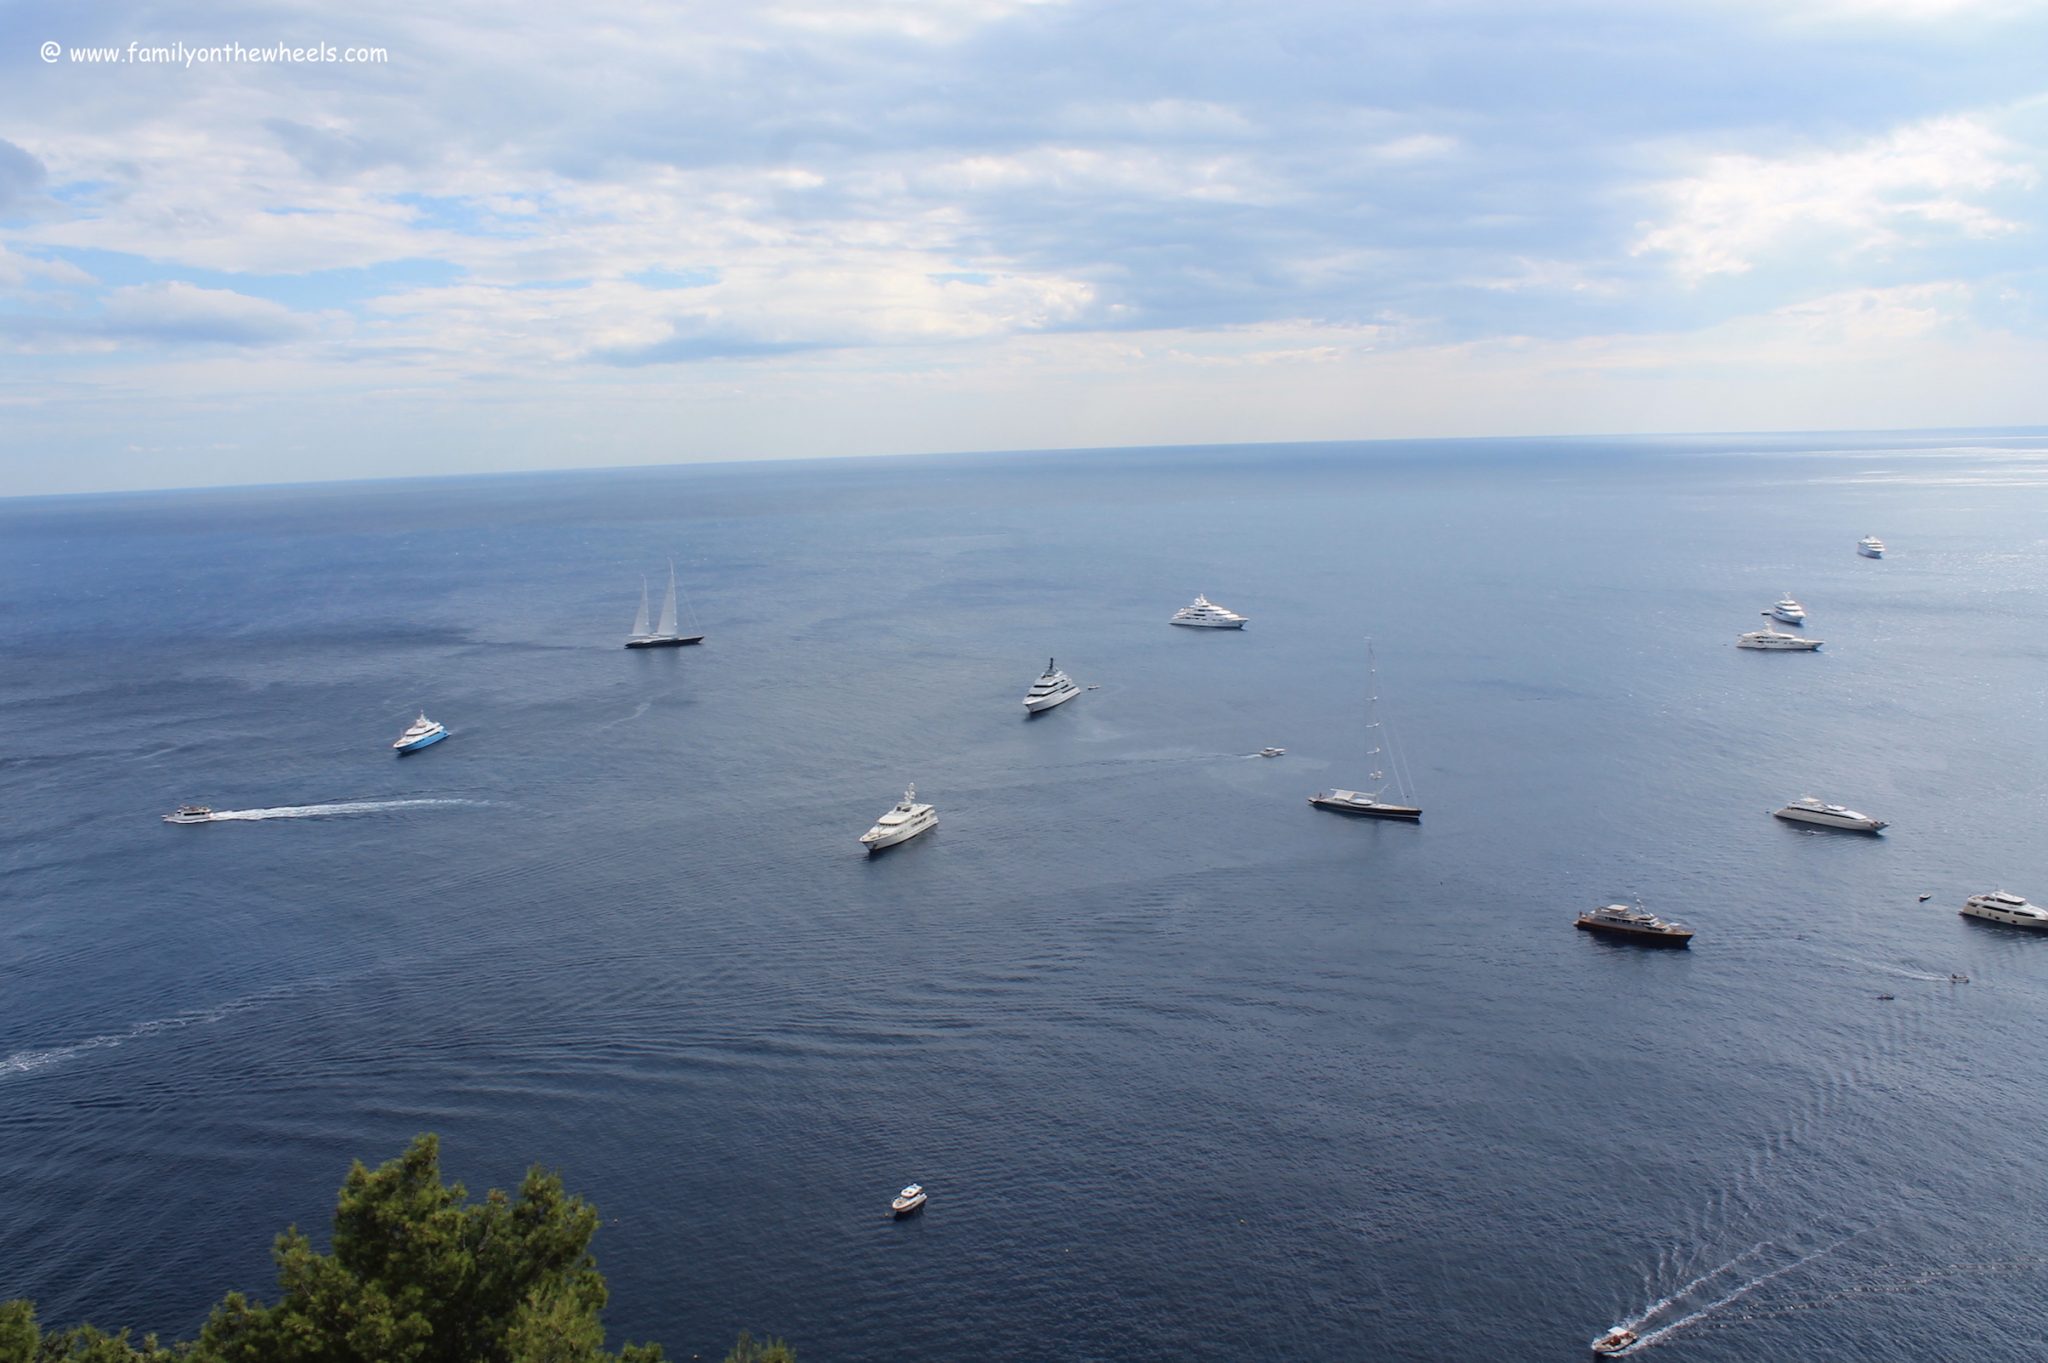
[423, 732]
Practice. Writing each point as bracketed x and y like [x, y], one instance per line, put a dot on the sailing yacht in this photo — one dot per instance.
[422, 732]
[665, 635]
[904, 822]
[1054, 688]
[1371, 804]
[1206, 614]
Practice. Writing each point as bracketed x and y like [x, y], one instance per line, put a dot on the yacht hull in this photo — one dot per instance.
[676, 642]
[1040, 706]
[1399, 813]
[896, 838]
[426, 742]
[1835, 825]
[1208, 624]
[1636, 935]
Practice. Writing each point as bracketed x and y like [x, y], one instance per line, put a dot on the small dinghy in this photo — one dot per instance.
[1615, 1343]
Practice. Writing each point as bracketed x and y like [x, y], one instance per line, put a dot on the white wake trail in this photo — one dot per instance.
[321, 811]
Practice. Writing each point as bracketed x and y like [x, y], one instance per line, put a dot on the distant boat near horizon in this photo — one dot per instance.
[665, 634]
[1870, 546]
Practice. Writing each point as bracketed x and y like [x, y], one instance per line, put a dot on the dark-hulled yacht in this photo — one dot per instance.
[1619, 920]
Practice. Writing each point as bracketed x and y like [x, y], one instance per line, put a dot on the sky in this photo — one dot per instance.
[520, 235]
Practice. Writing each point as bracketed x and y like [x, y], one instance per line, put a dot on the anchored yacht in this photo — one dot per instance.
[1387, 768]
[1619, 920]
[1206, 614]
[190, 814]
[423, 732]
[908, 1201]
[2002, 906]
[1870, 546]
[1806, 809]
[666, 634]
[1777, 640]
[904, 822]
[1053, 688]
[1789, 611]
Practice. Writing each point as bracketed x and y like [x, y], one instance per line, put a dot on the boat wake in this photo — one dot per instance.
[322, 811]
[30, 1060]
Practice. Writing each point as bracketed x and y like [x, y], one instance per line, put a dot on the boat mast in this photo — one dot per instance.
[640, 620]
[668, 605]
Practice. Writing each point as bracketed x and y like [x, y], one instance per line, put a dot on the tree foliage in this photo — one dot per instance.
[417, 1274]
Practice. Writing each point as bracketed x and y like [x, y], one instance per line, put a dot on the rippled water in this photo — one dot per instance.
[1190, 1069]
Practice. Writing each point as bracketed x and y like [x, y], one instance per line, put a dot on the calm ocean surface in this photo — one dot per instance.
[1190, 1069]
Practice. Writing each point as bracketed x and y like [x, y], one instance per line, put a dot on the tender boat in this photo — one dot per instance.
[1206, 614]
[1777, 639]
[1789, 611]
[1806, 809]
[1619, 920]
[905, 821]
[423, 732]
[2002, 906]
[663, 635]
[1615, 1343]
[190, 814]
[1054, 687]
[908, 1201]
[1870, 546]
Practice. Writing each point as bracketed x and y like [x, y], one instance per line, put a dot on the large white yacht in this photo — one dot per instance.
[1807, 809]
[1206, 614]
[904, 822]
[1789, 611]
[1870, 546]
[1053, 688]
[2002, 906]
[423, 732]
[1778, 639]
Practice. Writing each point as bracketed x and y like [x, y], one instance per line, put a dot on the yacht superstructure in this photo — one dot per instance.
[1052, 688]
[1206, 614]
[1807, 809]
[904, 822]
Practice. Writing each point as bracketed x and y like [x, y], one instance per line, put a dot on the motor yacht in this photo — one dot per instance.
[423, 732]
[1806, 809]
[1777, 640]
[1615, 1343]
[1358, 802]
[904, 822]
[1053, 688]
[908, 1201]
[2002, 906]
[1789, 611]
[1619, 920]
[190, 814]
[1206, 614]
[1870, 546]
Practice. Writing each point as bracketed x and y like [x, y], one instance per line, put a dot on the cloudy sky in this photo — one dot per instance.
[549, 235]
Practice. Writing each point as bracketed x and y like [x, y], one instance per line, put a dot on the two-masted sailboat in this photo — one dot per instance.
[665, 635]
[1373, 804]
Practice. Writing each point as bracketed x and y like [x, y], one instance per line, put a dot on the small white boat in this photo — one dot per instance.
[1788, 611]
[1806, 809]
[909, 1200]
[1870, 546]
[1052, 688]
[904, 822]
[423, 732]
[1206, 614]
[1777, 640]
[2002, 906]
[190, 814]
[1615, 1343]
[1272, 752]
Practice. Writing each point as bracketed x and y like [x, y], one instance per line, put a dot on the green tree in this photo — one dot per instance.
[751, 1350]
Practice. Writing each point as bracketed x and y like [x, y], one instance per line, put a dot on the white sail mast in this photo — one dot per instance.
[668, 605]
[640, 620]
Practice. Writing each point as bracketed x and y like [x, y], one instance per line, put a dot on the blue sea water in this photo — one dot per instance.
[1190, 1069]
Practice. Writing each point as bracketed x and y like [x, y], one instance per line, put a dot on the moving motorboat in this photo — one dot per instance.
[1619, 920]
[1789, 611]
[905, 821]
[423, 732]
[665, 634]
[190, 814]
[1374, 804]
[1615, 1343]
[1806, 809]
[909, 1200]
[1054, 687]
[1870, 546]
[1777, 639]
[1272, 752]
[2002, 906]
[1206, 614]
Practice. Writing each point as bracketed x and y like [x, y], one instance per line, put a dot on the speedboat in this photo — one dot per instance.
[1789, 611]
[908, 1201]
[1272, 752]
[1870, 546]
[1619, 920]
[190, 814]
[2002, 906]
[1806, 809]
[1358, 802]
[1777, 639]
[904, 822]
[1206, 614]
[423, 732]
[1053, 688]
[1615, 1343]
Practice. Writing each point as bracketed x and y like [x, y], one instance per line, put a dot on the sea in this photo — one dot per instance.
[1190, 1069]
